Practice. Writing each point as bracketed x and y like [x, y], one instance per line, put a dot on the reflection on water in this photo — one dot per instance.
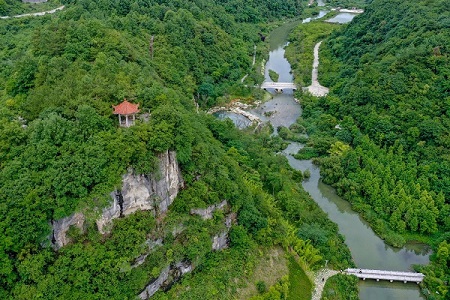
[342, 18]
[384, 290]
[282, 108]
[278, 63]
[239, 121]
[321, 14]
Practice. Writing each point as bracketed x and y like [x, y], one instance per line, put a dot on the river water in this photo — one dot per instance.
[342, 18]
[368, 250]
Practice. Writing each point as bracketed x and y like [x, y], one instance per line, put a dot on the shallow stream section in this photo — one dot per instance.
[239, 121]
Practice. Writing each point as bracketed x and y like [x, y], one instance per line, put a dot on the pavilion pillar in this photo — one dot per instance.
[120, 119]
[126, 121]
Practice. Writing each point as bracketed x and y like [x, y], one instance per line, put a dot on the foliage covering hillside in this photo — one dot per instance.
[388, 73]
[61, 150]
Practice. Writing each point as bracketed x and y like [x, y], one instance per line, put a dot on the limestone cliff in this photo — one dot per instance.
[154, 192]
[61, 226]
[145, 192]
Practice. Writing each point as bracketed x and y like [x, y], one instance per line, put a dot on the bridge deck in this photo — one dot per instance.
[278, 85]
[386, 275]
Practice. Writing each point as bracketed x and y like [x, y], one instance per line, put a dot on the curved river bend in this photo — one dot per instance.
[368, 250]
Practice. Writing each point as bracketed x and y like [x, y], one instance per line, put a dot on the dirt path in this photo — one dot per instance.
[320, 279]
[315, 88]
[35, 14]
[253, 63]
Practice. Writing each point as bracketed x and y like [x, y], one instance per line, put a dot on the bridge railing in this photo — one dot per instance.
[278, 85]
[386, 275]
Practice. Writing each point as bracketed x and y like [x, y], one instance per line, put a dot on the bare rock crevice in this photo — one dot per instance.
[220, 241]
[207, 213]
[166, 279]
[60, 227]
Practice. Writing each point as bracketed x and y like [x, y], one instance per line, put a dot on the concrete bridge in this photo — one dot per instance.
[278, 86]
[386, 275]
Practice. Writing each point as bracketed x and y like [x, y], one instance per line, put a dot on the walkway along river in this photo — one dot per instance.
[367, 249]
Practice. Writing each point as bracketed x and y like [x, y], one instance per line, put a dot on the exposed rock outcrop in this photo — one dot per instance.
[152, 244]
[207, 213]
[220, 241]
[166, 278]
[141, 192]
[61, 226]
[153, 287]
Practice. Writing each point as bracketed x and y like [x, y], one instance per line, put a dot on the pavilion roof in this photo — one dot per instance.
[126, 108]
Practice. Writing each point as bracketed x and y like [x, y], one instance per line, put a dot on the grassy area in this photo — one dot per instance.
[270, 268]
[300, 51]
[300, 287]
[340, 287]
[273, 75]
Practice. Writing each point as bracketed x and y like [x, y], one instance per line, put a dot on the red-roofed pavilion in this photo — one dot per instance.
[127, 109]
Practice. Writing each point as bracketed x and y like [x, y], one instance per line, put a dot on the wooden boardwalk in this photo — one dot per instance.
[386, 275]
[278, 85]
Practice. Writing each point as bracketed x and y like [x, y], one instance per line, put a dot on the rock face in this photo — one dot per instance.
[141, 192]
[167, 276]
[207, 213]
[152, 244]
[153, 287]
[61, 226]
[220, 241]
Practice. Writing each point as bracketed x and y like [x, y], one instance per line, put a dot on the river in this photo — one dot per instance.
[368, 250]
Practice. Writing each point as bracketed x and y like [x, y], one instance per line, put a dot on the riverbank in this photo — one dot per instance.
[300, 51]
[316, 89]
[239, 108]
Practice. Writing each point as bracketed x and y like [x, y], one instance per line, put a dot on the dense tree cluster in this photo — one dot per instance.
[349, 3]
